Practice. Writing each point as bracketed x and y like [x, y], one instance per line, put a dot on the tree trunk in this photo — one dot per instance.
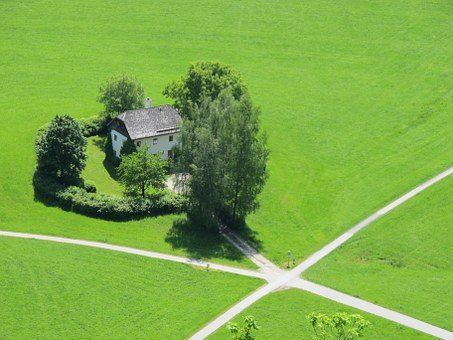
[143, 189]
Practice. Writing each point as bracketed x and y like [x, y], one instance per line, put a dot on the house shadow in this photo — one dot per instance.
[200, 242]
[108, 166]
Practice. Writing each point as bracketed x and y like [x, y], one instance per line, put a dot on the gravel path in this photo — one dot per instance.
[291, 278]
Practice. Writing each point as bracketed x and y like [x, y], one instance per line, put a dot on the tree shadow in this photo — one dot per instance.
[200, 242]
[248, 235]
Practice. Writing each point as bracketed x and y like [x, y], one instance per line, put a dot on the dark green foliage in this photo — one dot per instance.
[225, 155]
[92, 126]
[141, 170]
[105, 206]
[127, 148]
[60, 150]
[90, 186]
[109, 153]
[342, 326]
[121, 93]
[204, 79]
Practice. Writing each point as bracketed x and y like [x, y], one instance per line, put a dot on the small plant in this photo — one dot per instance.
[342, 326]
[246, 332]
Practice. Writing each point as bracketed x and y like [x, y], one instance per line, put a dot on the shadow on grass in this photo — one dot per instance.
[199, 242]
[248, 235]
[99, 142]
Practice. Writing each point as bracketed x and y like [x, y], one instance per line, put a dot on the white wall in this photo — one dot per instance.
[118, 143]
[162, 146]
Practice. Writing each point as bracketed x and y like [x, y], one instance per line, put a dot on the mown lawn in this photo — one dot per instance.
[283, 315]
[356, 98]
[403, 261]
[54, 291]
[100, 171]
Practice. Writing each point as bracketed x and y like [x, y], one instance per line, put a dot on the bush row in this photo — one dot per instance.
[104, 206]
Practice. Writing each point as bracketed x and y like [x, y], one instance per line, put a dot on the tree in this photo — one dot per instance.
[204, 79]
[338, 326]
[121, 93]
[127, 148]
[140, 170]
[245, 333]
[225, 156]
[60, 150]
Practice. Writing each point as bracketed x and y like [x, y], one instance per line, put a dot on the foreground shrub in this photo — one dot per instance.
[104, 206]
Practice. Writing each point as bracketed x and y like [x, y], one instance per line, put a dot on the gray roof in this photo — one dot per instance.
[153, 121]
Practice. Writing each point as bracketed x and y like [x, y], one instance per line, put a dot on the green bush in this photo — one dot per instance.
[90, 186]
[104, 206]
[92, 126]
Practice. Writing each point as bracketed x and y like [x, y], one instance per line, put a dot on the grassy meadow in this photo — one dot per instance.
[403, 261]
[283, 315]
[355, 95]
[55, 291]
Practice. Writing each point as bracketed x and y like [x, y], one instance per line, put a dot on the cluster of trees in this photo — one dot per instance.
[222, 152]
[340, 326]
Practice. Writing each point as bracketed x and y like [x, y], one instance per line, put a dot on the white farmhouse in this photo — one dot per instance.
[156, 127]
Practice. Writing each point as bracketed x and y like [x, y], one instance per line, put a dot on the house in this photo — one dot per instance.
[156, 127]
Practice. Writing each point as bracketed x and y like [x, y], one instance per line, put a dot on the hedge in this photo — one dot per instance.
[104, 206]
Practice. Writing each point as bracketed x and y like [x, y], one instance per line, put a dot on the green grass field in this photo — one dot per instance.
[282, 315]
[402, 261]
[355, 99]
[99, 171]
[55, 291]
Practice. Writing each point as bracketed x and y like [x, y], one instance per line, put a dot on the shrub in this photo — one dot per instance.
[90, 186]
[104, 206]
[92, 126]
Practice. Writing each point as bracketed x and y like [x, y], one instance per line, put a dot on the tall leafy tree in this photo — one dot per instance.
[204, 79]
[60, 150]
[225, 156]
[141, 170]
[121, 93]
[128, 148]
[342, 326]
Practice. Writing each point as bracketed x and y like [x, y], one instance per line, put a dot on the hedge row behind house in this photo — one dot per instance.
[104, 206]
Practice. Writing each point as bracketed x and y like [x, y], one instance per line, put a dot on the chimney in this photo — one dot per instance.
[148, 103]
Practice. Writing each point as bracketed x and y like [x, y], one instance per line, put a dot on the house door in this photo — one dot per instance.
[170, 153]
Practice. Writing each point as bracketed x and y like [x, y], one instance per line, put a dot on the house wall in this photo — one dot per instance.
[162, 146]
[118, 143]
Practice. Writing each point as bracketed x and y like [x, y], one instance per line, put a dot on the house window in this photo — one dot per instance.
[138, 143]
[170, 138]
[170, 153]
[154, 141]
[114, 137]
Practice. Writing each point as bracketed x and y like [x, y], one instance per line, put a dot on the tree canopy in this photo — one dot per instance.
[60, 150]
[225, 156]
[141, 170]
[342, 326]
[121, 93]
[204, 79]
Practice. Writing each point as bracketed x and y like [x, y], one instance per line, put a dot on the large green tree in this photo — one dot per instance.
[60, 150]
[204, 79]
[141, 170]
[121, 93]
[225, 156]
